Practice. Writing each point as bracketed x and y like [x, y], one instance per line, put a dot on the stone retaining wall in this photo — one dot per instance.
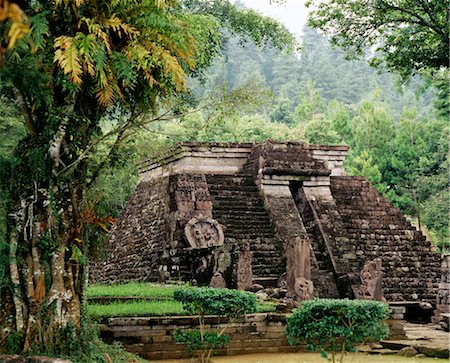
[151, 337]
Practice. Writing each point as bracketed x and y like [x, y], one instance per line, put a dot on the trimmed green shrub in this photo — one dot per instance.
[329, 326]
[210, 301]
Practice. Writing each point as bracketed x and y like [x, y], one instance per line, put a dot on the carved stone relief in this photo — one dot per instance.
[203, 232]
[217, 281]
[303, 289]
[298, 270]
[244, 267]
[371, 281]
[443, 296]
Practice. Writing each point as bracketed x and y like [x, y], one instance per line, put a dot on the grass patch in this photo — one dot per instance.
[136, 308]
[167, 306]
[151, 308]
[132, 289]
[265, 307]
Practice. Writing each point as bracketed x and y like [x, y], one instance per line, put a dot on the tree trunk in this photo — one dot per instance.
[19, 303]
[45, 304]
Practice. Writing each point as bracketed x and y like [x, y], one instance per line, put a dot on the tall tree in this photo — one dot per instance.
[408, 35]
[83, 63]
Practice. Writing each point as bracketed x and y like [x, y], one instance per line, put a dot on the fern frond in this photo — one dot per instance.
[97, 30]
[16, 31]
[67, 57]
[119, 27]
[137, 55]
[39, 31]
[122, 69]
[108, 91]
[18, 18]
[171, 67]
[88, 46]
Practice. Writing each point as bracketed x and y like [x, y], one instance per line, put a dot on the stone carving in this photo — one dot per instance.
[281, 283]
[371, 281]
[303, 289]
[244, 267]
[298, 270]
[217, 281]
[202, 265]
[203, 232]
[443, 296]
[192, 197]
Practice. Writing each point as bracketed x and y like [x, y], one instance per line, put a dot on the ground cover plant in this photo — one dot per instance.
[136, 308]
[333, 327]
[158, 301]
[209, 301]
[156, 291]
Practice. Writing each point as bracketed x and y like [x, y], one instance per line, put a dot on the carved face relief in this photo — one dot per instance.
[203, 232]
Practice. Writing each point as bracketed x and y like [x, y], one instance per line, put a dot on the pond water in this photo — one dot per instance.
[309, 358]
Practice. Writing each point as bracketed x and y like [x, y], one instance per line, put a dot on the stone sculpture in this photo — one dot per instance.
[371, 281]
[443, 296]
[203, 232]
[202, 265]
[298, 270]
[244, 274]
[217, 281]
[303, 289]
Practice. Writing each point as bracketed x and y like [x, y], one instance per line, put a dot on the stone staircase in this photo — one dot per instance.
[321, 267]
[238, 206]
[377, 229]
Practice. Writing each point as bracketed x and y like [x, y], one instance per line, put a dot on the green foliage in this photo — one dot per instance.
[136, 308]
[310, 104]
[363, 165]
[48, 245]
[155, 291]
[222, 302]
[11, 127]
[14, 343]
[196, 341]
[87, 347]
[320, 131]
[436, 218]
[441, 103]
[409, 35]
[331, 326]
[281, 113]
[206, 300]
[246, 23]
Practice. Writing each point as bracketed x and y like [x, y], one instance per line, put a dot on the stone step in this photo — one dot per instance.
[240, 210]
[266, 281]
[250, 236]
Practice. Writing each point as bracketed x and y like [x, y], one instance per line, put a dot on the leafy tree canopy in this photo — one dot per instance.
[85, 75]
[408, 35]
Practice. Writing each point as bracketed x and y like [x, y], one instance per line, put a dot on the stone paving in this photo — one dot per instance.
[427, 339]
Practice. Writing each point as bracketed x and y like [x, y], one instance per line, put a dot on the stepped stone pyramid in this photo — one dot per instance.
[198, 203]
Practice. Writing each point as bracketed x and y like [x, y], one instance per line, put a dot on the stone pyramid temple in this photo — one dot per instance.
[204, 208]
